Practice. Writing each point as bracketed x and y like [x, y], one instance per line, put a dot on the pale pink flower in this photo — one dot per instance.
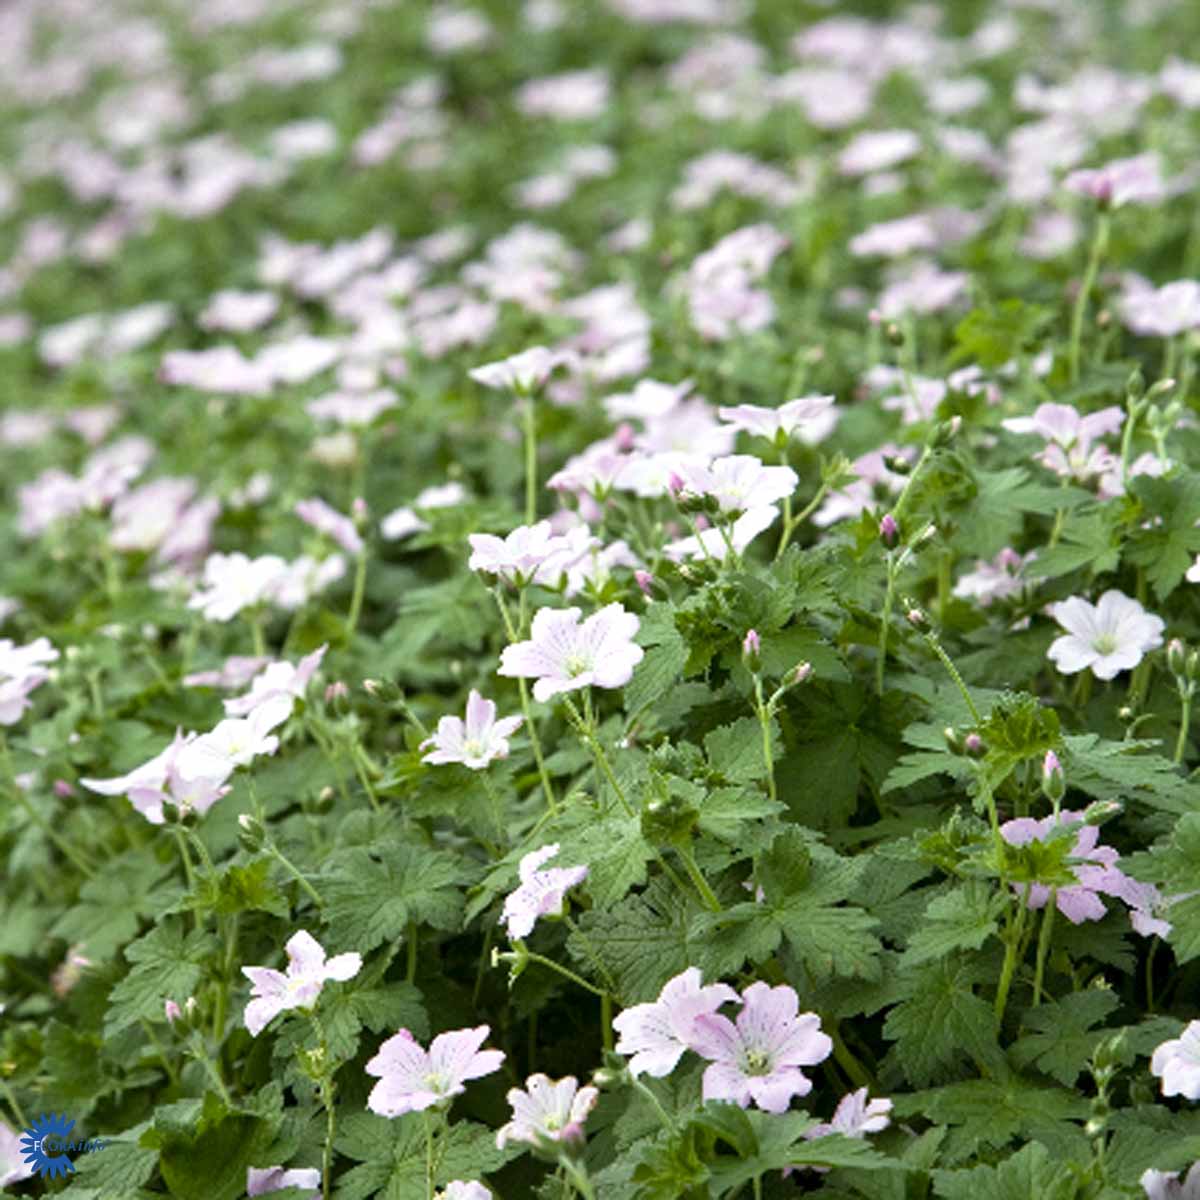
[327, 520]
[22, 671]
[1109, 637]
[1164, 1185]
[1148, 906]
[239, 312]
[458, 1189]
[522, 372]
[1070, 436]
[855, 1117]
[233, 582]
[520, 556]
[236, 671]
[412, 1079]
[403, 522]
[759, 1058]
[996, 579]
[1092, 865]
[1177, 1064]
[307, 973]
[809, 418]
[649, 399]
[570, 96]
[658, 1033]
[877, 150]
[548, 1111]
[261, 1180]
[277, 679]
[353, 409]
[710, 543]
[540, 893]
[474, 742]
[892, 239]
[563, 654]
[739, 482]
[1136, 180]
[13, 1167]
[1163, 312]
[234, 742]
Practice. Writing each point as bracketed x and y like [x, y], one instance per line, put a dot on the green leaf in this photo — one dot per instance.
[1090, 538]
[941, 1023]
[166, 965]
[735, 752]
[1166, 545]
[998, 333]
[1063, 1038]
[1030, 1174]
[664, 660]
[372, 895]
[1128, 771]
[961, 919]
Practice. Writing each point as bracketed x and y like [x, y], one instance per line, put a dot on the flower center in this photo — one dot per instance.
[575, 665]
[473, 748]
[758, 1062]
[434, 1082]
[1106, 643]
[552, 1122]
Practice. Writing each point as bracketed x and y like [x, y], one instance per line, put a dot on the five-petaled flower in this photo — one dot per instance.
[1110, 636]
[1166, 1185]
[307, 972]
[548, 1111]
[563, 654]
[759, 1058]
[412, 1079]
[540, 893]
[475, 741]
[658, 1033]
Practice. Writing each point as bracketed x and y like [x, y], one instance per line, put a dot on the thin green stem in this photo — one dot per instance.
[356, 597]
[762, 711]
[588, 733]
[530, 423]
[694, 874]
[936, 646]
[889, 599]
[429, 1172]
[664, 1116]
[1096, 254]
[496, 806]
[606, 1006]
[411, 948]
[201, 1055]
[565, 972]
[1185, 721]
[296, 874]
[254, 617]
[1043, 948]
[1016, 931]
[1150, 973]
[22, 1123]
[172, 1074]
[188, 872]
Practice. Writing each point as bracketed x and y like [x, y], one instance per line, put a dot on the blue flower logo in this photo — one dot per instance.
[54, 1128]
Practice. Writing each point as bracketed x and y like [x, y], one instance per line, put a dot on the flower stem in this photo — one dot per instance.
[356, 598]
[565, 972]
[1185, 721]
[606, 1020]
[530, 421]
[295, 873]
[587, 731]
[889, 600]
[1015, 932]
[1099, 245]
[22, 1123]
[1043, 947]
[706, 893]
[936, 646]
[763, 712]
[655, 1103]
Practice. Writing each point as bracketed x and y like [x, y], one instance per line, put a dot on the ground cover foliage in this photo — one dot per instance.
[599, 598]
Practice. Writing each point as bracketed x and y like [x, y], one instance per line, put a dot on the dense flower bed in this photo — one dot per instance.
[599, 599]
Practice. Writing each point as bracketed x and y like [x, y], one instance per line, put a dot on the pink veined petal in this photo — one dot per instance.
[481, 714]
[714, 1037]
[400, 1052]
[305, 954]
[773, 1093]
[1078, 904]
[391, 1097]
[260, 1012]
[533, 861]
[456, 1054]
[1077, 616]
[506, 727]
[266, 980]
[723, 1081]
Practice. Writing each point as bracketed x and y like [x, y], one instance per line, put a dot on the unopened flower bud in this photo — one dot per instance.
[324, 800]
[974, 746]
[1054, 785]
[954, 741]
[894, 333]
[645, 581]
[336, 691]
[1161, 388]
[371, 687]
[916, 618]
[1126, 713]
[606, 1077]
[172, 1012]
[63, 789]
[752, 650]
[801, 673]
[1101, 811]
[945, 432]
[1176, 656]
[1135, 385]
[897, 464]
[889, 531]
[252, 835]
[1191, 668]
[1103, 318]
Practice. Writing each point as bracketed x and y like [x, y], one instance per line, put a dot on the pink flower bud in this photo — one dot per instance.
[336, 691]
[172, 1011]
[645, 581]
[63, 789]
[623, 437]
[889, 530]
[1054, 785]
[752, 650]
[801, 673]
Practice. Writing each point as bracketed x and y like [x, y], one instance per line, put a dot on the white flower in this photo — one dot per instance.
[548, 1111]
[1110, 637]
[520, 372]
[1166, 1185]
[1177, 1064]
[811, 418]
[475, 741]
